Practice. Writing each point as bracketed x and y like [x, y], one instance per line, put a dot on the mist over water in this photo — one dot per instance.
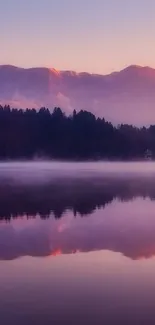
[77, 243]
[47, 171]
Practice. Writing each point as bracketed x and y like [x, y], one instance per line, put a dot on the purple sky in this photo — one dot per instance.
[85, 35]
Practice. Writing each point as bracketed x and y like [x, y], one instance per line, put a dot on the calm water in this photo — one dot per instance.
[77, 243]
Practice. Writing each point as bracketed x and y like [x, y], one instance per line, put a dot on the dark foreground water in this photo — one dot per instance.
[77, 243]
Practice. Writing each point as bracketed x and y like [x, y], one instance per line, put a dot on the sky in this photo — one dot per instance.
[98, 36]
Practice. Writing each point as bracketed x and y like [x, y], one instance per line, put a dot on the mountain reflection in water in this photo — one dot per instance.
[44, 219]
[77, 243]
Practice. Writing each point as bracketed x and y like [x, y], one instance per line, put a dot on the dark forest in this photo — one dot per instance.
[29, 134]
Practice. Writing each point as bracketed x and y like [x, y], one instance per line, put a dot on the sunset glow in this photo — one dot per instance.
[57, 252]
[96, 36]
[54, 71]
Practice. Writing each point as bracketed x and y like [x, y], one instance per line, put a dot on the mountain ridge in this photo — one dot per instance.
[57, 71]
[125, 96]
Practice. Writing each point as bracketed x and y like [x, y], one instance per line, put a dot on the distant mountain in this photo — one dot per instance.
[127, 96]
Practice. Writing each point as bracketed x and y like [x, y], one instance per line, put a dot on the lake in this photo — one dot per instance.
[77, 243]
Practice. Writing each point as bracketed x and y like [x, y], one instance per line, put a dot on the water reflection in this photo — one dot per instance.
[45, 220]
[82, 196]
[77, 250]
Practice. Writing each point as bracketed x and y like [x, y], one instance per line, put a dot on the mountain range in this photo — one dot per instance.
[127, 96]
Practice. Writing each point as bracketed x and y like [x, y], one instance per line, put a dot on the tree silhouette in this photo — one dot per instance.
[28, 133]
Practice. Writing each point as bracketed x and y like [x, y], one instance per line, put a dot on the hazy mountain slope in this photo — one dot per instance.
[125, 96]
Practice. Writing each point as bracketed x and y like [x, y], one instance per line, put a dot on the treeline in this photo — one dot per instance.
[29, 133]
